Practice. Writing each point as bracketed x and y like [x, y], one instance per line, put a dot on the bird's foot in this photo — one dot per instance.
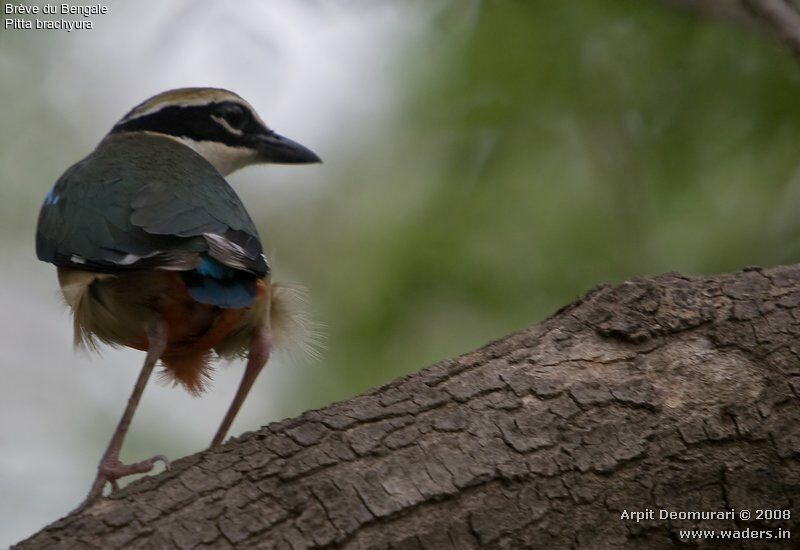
[111, 469]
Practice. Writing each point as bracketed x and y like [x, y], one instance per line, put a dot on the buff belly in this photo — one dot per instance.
[117, 309]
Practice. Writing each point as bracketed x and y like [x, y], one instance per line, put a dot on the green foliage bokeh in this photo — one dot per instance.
[544, 148]
[539, 149]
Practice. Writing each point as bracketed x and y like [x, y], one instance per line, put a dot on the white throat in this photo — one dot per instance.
[224, 158]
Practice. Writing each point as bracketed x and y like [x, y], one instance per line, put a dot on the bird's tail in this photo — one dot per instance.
[294, 330]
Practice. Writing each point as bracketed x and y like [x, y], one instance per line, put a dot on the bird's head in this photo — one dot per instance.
[217, 124]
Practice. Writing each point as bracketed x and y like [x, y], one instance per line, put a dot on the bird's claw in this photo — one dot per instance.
[164, 460]
[111, 469]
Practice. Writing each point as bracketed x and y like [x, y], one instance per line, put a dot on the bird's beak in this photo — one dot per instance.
[277, 149]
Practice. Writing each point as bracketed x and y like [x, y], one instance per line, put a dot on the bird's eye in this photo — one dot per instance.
[234, 115]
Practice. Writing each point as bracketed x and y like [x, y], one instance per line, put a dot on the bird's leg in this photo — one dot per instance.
[257, 357]
[110, 468]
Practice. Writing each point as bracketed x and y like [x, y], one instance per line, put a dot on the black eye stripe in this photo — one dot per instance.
[196, 122]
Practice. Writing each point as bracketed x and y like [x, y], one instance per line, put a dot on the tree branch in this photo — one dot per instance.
[782, 16]
[725, 9]
[672, 393]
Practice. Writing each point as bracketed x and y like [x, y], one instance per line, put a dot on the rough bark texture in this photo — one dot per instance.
[674, 392]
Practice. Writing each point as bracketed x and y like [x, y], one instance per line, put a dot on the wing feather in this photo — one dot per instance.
[146, 202]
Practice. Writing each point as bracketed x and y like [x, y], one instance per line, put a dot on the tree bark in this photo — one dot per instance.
[672, 393]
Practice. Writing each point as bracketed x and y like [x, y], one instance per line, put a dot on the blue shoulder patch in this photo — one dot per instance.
[52, 197]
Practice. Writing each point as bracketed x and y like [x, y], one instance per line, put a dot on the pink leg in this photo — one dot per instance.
[256, 359]
[110, 468]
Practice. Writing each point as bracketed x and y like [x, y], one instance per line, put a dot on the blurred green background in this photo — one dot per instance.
[485, 164]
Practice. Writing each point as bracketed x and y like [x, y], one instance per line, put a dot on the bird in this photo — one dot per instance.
[155, 251]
